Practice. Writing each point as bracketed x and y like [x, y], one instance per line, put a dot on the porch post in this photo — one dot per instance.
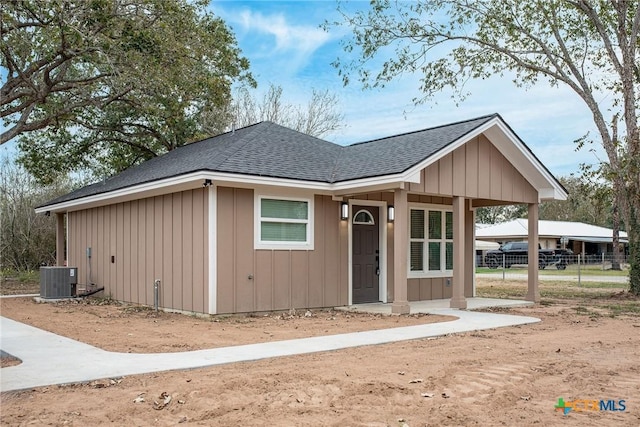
[470, 250]
[60, 239]
[400, 303]
[457, 293]
[533, 293]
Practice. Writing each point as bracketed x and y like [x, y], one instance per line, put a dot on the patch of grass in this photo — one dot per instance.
[583, 310]
[627, 308]
[494, 288]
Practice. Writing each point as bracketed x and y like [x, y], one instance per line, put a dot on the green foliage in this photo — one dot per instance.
[498, 214]
[589, 46]
[589, 201]
[102, 85]
[27, 240]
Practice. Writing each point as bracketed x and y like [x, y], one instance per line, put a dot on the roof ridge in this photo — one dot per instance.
[426, 129]
[243, 141]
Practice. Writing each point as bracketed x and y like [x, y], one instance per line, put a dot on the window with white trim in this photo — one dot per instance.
[284, 223]
[430, 241]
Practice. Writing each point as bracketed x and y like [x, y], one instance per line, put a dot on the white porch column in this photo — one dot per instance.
[60, 235]
[533, 293]
[457, 292]
[400, 303]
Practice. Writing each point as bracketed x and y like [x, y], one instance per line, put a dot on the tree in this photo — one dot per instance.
[589, 46]
[318, 118]
[107, 84]
[590, 201]
[498, 214]
[27, 240]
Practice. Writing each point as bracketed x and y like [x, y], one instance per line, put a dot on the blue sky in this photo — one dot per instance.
[286, 47]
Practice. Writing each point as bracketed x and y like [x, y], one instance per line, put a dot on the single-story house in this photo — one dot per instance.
[581, 238]
[266, 218]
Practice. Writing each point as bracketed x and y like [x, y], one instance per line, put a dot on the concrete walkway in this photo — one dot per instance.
[49, 359]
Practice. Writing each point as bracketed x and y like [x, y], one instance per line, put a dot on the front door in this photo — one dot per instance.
[365, 254]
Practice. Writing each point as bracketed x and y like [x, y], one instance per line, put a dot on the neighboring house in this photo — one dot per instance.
[581, 238]
[266, 218]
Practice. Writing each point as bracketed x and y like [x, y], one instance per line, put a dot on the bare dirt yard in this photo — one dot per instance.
[587, 347]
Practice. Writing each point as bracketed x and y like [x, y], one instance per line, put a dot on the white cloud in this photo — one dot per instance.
[279, 40]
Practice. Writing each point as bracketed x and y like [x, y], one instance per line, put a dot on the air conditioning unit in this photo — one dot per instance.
[58, 282]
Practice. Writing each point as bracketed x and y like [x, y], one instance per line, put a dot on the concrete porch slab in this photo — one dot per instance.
[435, 306]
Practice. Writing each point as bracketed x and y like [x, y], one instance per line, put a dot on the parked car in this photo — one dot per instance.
[512, 253]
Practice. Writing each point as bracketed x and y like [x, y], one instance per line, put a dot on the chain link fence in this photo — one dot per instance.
[560, 266]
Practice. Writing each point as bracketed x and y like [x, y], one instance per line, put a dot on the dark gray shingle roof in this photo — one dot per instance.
[267, 149]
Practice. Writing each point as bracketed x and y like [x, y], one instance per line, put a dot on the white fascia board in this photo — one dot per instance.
[547, 194]
[531, 166]
[180, 183]
[147, 189]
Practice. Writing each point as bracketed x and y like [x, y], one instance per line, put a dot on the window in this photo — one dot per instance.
[363, 217]
[430, 241]
[283, 223]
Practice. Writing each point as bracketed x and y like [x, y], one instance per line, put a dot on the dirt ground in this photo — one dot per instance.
[584, 348]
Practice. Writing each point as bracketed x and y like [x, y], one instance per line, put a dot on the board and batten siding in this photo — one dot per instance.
[476, 170]
[250, 280]
[162, 237]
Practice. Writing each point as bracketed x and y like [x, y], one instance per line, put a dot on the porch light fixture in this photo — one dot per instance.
[207, 183]
[344, 210]
[391, 213]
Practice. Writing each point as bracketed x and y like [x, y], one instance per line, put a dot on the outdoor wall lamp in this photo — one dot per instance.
[391, 213]
[344, 210]
[207, 183]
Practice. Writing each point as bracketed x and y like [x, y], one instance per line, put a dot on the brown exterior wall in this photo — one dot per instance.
[161, 237]
[476, 170]
[280, 279]
[429, 288]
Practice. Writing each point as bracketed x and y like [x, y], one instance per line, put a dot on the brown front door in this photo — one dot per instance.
[365, 254]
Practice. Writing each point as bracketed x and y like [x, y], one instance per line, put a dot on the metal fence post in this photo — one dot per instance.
[504, 266]
[579, 272]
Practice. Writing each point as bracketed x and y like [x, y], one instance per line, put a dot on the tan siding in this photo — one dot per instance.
[143, 281]
[200, 230]
[475, 170]
[509, 175]
[244, 254]
[282, 279]
[459, 171]
[484, 169]
[142, 246]
[178, 254]
[425, 289]
[300, 279]
[187, 250]
[316, 277]
[332, 253]
[158, 240]
[496, 173]
[166, 294]
[471, 173]
[432, 179]
[126, 252]
[264, 281]
[225, 250]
